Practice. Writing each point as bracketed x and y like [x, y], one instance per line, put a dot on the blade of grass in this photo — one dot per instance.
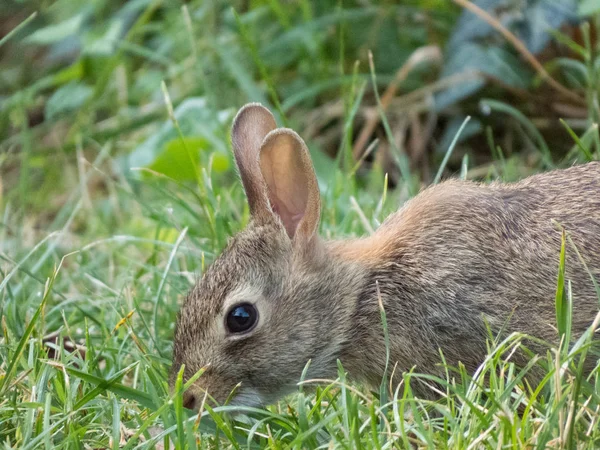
[16, 29]
[578, 141]
[438, 175]
[12, 365]
[116, 388]
[162, 283]
[399, 156]
[559, 300]
[178, 405]
[495, 105]
[247, 39]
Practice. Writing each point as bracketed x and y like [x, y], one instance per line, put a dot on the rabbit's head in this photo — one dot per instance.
[267, 304]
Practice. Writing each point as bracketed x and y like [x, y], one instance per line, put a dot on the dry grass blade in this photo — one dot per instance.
[429, 53]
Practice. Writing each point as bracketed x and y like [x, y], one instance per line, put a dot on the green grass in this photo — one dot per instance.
[117, 190]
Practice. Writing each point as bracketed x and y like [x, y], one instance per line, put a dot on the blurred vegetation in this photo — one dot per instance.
[83, 72]
[114, 144]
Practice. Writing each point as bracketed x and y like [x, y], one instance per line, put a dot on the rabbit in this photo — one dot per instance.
[457, 261]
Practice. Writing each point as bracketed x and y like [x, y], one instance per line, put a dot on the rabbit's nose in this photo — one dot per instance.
[189, 400]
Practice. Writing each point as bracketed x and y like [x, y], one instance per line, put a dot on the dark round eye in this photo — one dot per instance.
[241, 318]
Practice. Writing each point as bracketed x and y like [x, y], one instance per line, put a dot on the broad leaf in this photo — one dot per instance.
[67, 98]
[57, 32]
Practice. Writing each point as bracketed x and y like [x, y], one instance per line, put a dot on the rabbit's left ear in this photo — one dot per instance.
[250, 127]
[292, 188]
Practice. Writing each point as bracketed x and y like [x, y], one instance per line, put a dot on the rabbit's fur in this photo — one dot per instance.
[458, 260]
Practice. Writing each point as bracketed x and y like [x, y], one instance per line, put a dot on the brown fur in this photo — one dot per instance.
[455, 259]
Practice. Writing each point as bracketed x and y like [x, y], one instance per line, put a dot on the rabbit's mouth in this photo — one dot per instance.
[243, 398]
[248, 398]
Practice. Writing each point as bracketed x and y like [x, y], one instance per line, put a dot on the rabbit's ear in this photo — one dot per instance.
[250, 126]
[291, 182]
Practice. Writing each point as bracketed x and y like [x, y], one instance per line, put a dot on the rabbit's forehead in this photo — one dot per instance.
[247, 267]
[244, 293]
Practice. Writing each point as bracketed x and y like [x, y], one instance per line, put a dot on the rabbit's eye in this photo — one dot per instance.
[241, 318]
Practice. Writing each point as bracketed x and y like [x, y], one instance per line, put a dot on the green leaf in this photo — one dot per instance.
[56, 32]
[174, 161]
[195, 119]
[588, 7]
[69, 97]
[475, 57]
[107, 43]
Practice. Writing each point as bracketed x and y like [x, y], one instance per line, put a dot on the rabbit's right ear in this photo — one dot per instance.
[291, 183]
[250, 126]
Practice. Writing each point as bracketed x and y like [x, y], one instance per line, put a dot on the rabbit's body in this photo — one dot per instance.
[457, 259]
[461, 257]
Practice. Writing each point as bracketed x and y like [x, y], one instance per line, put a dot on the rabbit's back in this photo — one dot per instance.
[461, 252]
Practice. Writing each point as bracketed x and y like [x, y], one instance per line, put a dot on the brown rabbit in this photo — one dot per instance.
[459, 259]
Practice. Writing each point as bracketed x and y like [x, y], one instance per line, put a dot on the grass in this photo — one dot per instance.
[117, 189]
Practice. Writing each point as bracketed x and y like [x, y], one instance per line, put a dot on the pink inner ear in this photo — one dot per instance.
[289, 218]
[291, 185]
